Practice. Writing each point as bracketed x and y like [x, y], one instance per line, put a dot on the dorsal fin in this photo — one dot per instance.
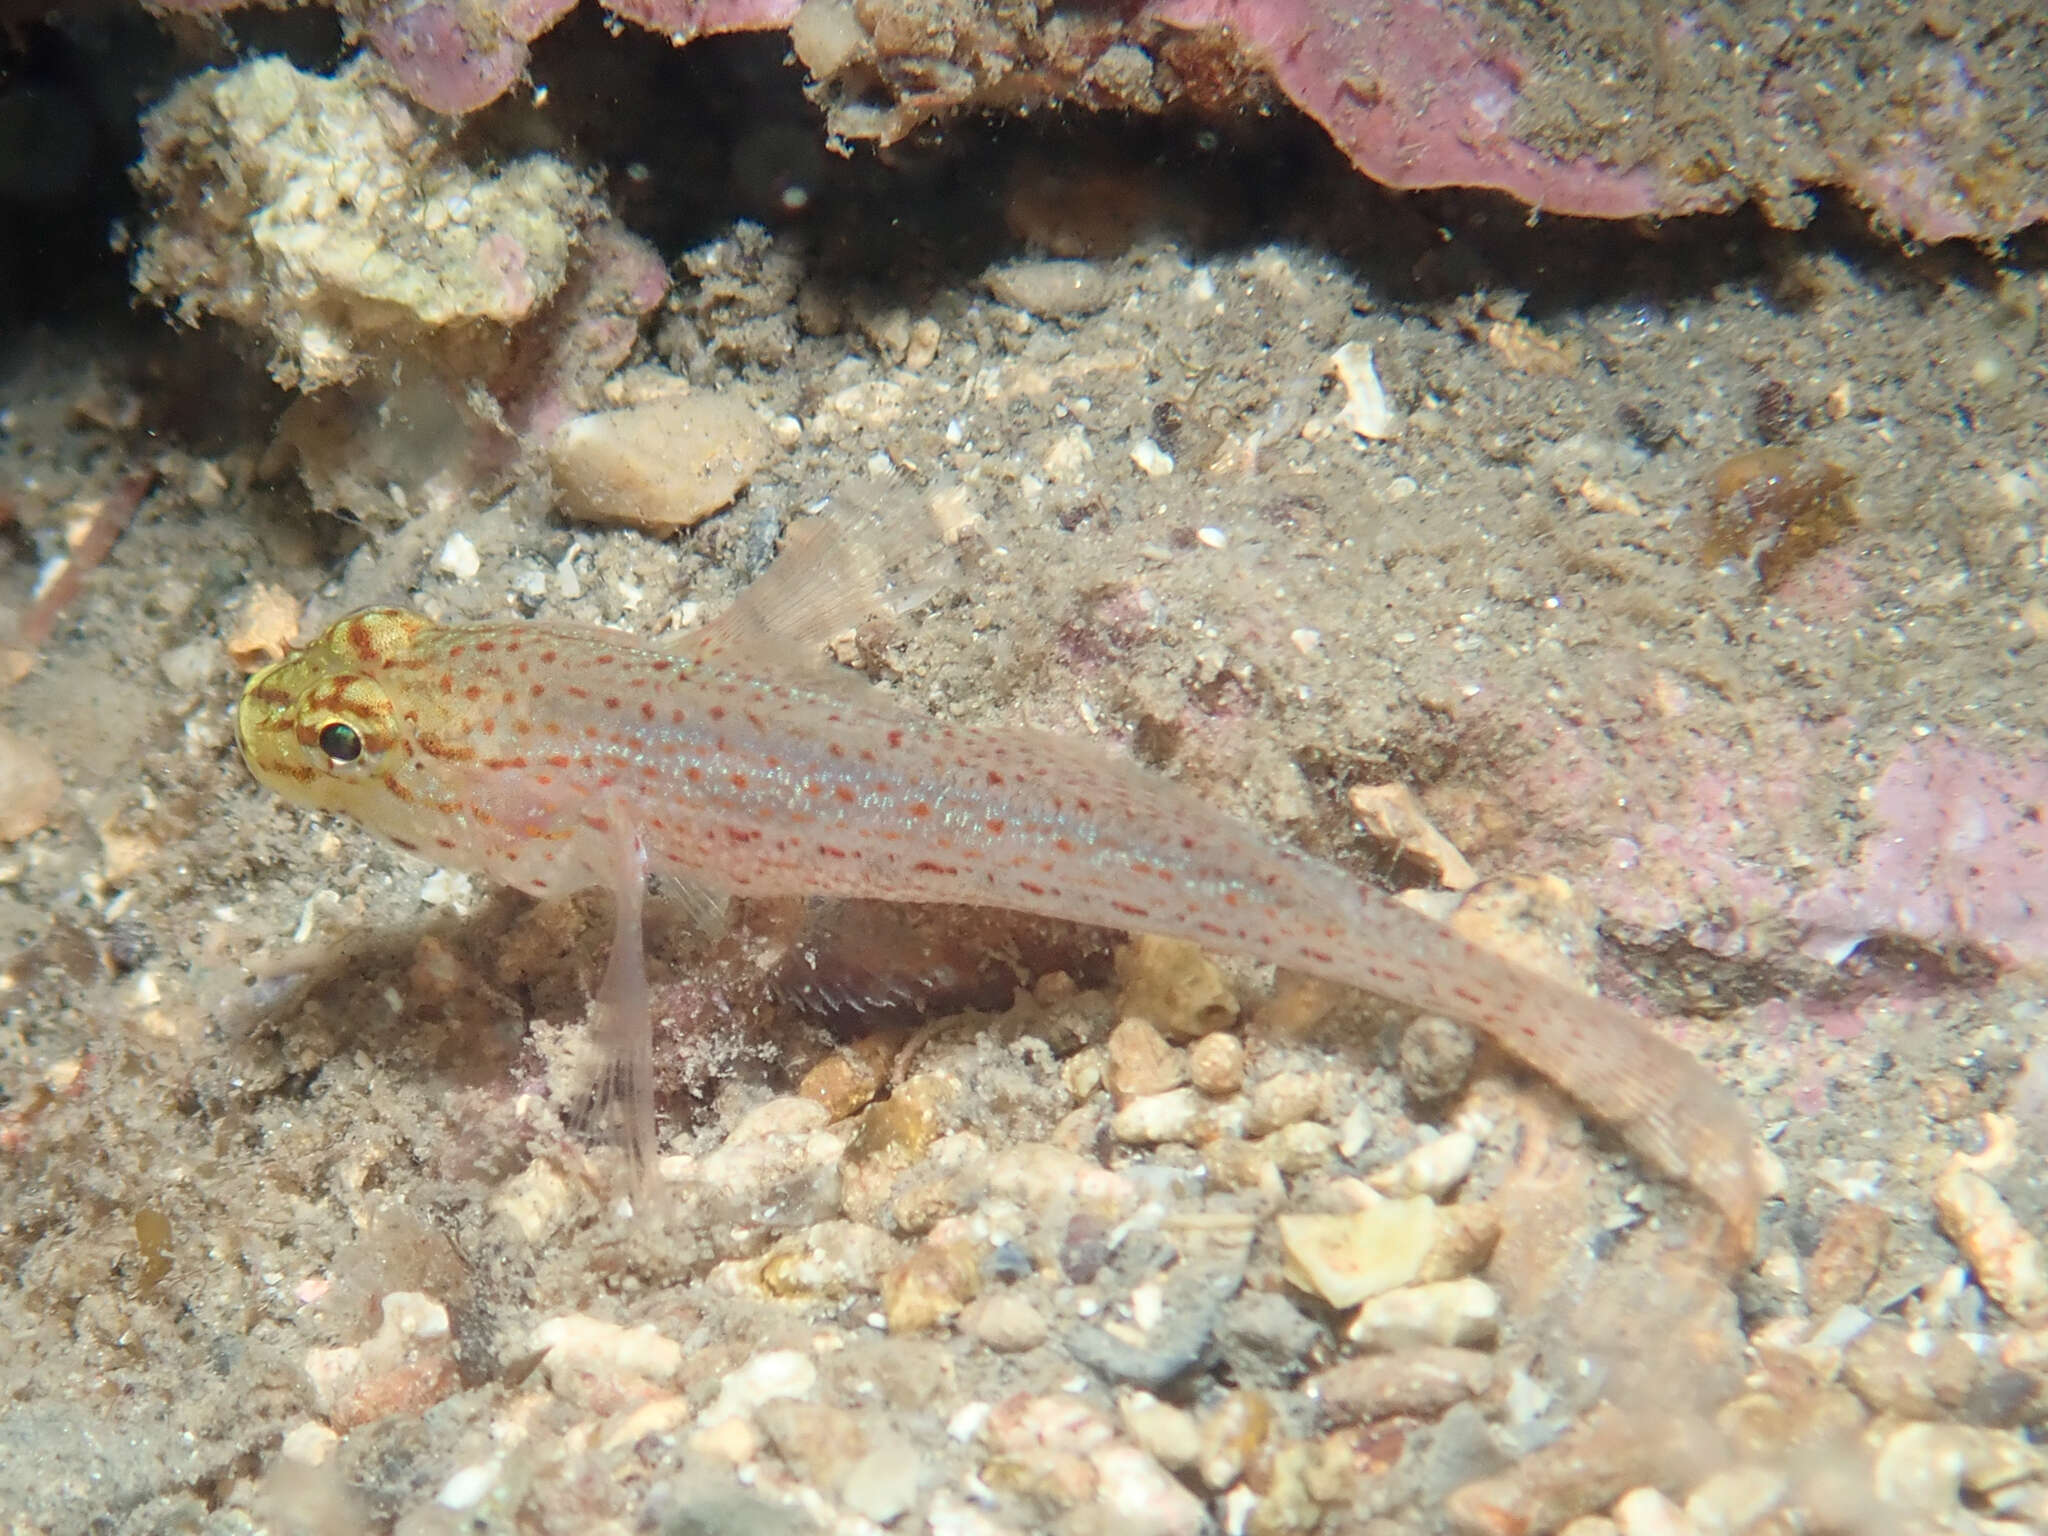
[874, 551]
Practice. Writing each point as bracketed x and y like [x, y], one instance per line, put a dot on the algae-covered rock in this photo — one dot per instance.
[331, 217]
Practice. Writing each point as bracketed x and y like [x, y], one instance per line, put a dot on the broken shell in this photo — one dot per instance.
[1366, 409]
[1344, 1258]
[266, 628]
[1395, 819]
[2003, 1255]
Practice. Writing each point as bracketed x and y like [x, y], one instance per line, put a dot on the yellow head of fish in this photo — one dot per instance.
[319, 727]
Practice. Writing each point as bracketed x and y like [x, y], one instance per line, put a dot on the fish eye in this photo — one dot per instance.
[340, 741]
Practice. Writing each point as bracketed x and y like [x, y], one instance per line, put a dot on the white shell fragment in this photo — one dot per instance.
[1366, 408]
[458, 558]
[1346, 1258]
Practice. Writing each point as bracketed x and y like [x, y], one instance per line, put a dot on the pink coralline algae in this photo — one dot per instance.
[1957, 855]
[1406, 88]
[1417, 93]
[1658, 811]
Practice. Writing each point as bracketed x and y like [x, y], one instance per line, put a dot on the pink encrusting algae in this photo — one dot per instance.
[556, 759]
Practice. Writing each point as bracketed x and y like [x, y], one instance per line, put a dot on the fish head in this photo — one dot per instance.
[320, 727]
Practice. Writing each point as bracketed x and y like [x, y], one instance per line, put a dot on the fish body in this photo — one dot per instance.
[556, 758]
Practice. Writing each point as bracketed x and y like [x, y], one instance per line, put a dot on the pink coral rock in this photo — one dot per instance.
[1408, 90]
[1957, 855]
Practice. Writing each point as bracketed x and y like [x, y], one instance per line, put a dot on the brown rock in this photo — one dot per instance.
[1845, 1259]
[1584, 1470]
[847, 1081]
[821, 1443]
[1175, 986]
[1006, 1323]
[932, 1285]
[1422, 1382]
[1465, 1239]
[1435, 1058]
[1894, 1372]
[30, 789]
[901, 1127]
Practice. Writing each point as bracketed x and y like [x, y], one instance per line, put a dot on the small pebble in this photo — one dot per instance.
[932, 1285]
[466, 1489]
[776, 1373]
[1169, 1435]
[1216, 1064]
[1232, 1433]
[1435, 1058]
[1302, 1148]
[1434, 1168]
[664, 465]
[883, 1484]
[1646, 1512]
[1284, 1099]
[1151, 458]
[1449, 1313]
[1234, 1164]
[1845, 1260]
[1734, 1499]
[1141, 1498]
[405, 1367]
[1051, 287]
[1181, 1116]
[1006, 1323]
[1913, 1374]
[602, 1366]
[536, 1200]
[310, 1444]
